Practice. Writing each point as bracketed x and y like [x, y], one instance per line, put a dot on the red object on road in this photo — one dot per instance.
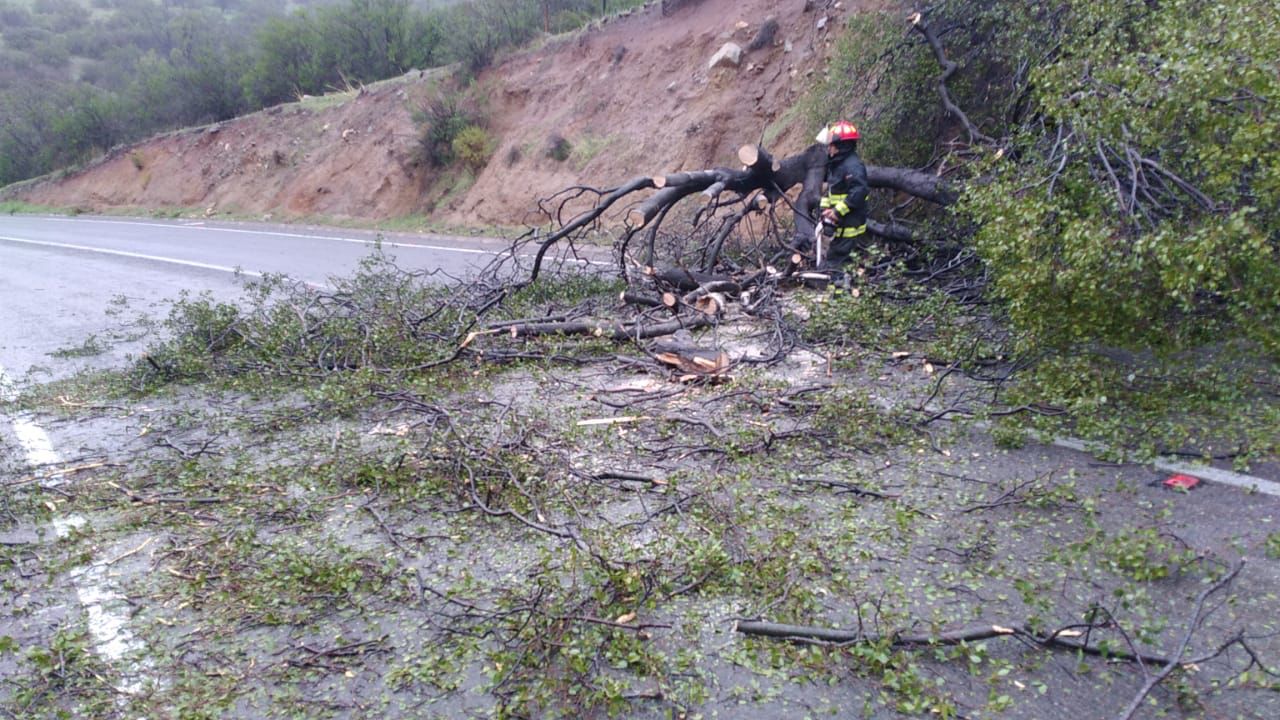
[1181, 482]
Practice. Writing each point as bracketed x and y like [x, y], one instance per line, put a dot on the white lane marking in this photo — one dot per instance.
[138, 256]
[301, 236]
[223, 268]
[144, 256]
[106, 607]
[199, 225]
[1204, 472]
[34, 440]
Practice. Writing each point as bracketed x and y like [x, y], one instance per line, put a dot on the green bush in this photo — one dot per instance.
[558, 148]
[201, 331]
[442, 119]
[379, 317]
[1130, 194]
[1122, 192]
[1140, 208]
[472, 146]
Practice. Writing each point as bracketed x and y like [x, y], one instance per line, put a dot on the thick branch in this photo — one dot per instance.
[587, 218]
[611, 330]
[672, 193]
[683, 279]
[949, 68]
[757, 174]
[970, 633]
[926, 186]
[891, 231]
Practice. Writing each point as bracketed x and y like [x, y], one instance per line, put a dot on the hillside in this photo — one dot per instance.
[633, 95]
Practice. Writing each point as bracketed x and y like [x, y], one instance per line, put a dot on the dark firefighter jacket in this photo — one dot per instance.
[847, 193]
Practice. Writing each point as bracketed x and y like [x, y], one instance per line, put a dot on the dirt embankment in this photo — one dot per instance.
[632, 96]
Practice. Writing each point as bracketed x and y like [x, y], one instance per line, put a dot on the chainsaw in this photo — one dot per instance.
[817, 245]
[816, 275]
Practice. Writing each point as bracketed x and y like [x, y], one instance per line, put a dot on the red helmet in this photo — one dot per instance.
[843, 131]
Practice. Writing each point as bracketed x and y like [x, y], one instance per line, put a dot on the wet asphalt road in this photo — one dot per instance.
[64, 280]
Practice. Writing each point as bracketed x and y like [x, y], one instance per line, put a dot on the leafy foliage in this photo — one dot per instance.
[1138, 206]
[63, 674]
[1120, 185]
[443, 119]
[313, 51]
[379, 320]
[473, 146]
[374, 319]
[1130, 225]
[885, 84]
[1129, 197]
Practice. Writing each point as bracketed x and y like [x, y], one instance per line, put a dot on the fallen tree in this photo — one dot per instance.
[757, 187]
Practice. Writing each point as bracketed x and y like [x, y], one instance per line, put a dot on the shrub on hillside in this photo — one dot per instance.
[472, 146]
[558, 148]
[442, 119]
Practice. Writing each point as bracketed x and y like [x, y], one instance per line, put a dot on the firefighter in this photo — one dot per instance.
[844, 206]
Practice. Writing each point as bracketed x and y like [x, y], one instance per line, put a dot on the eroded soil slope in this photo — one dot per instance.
[631, 96]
